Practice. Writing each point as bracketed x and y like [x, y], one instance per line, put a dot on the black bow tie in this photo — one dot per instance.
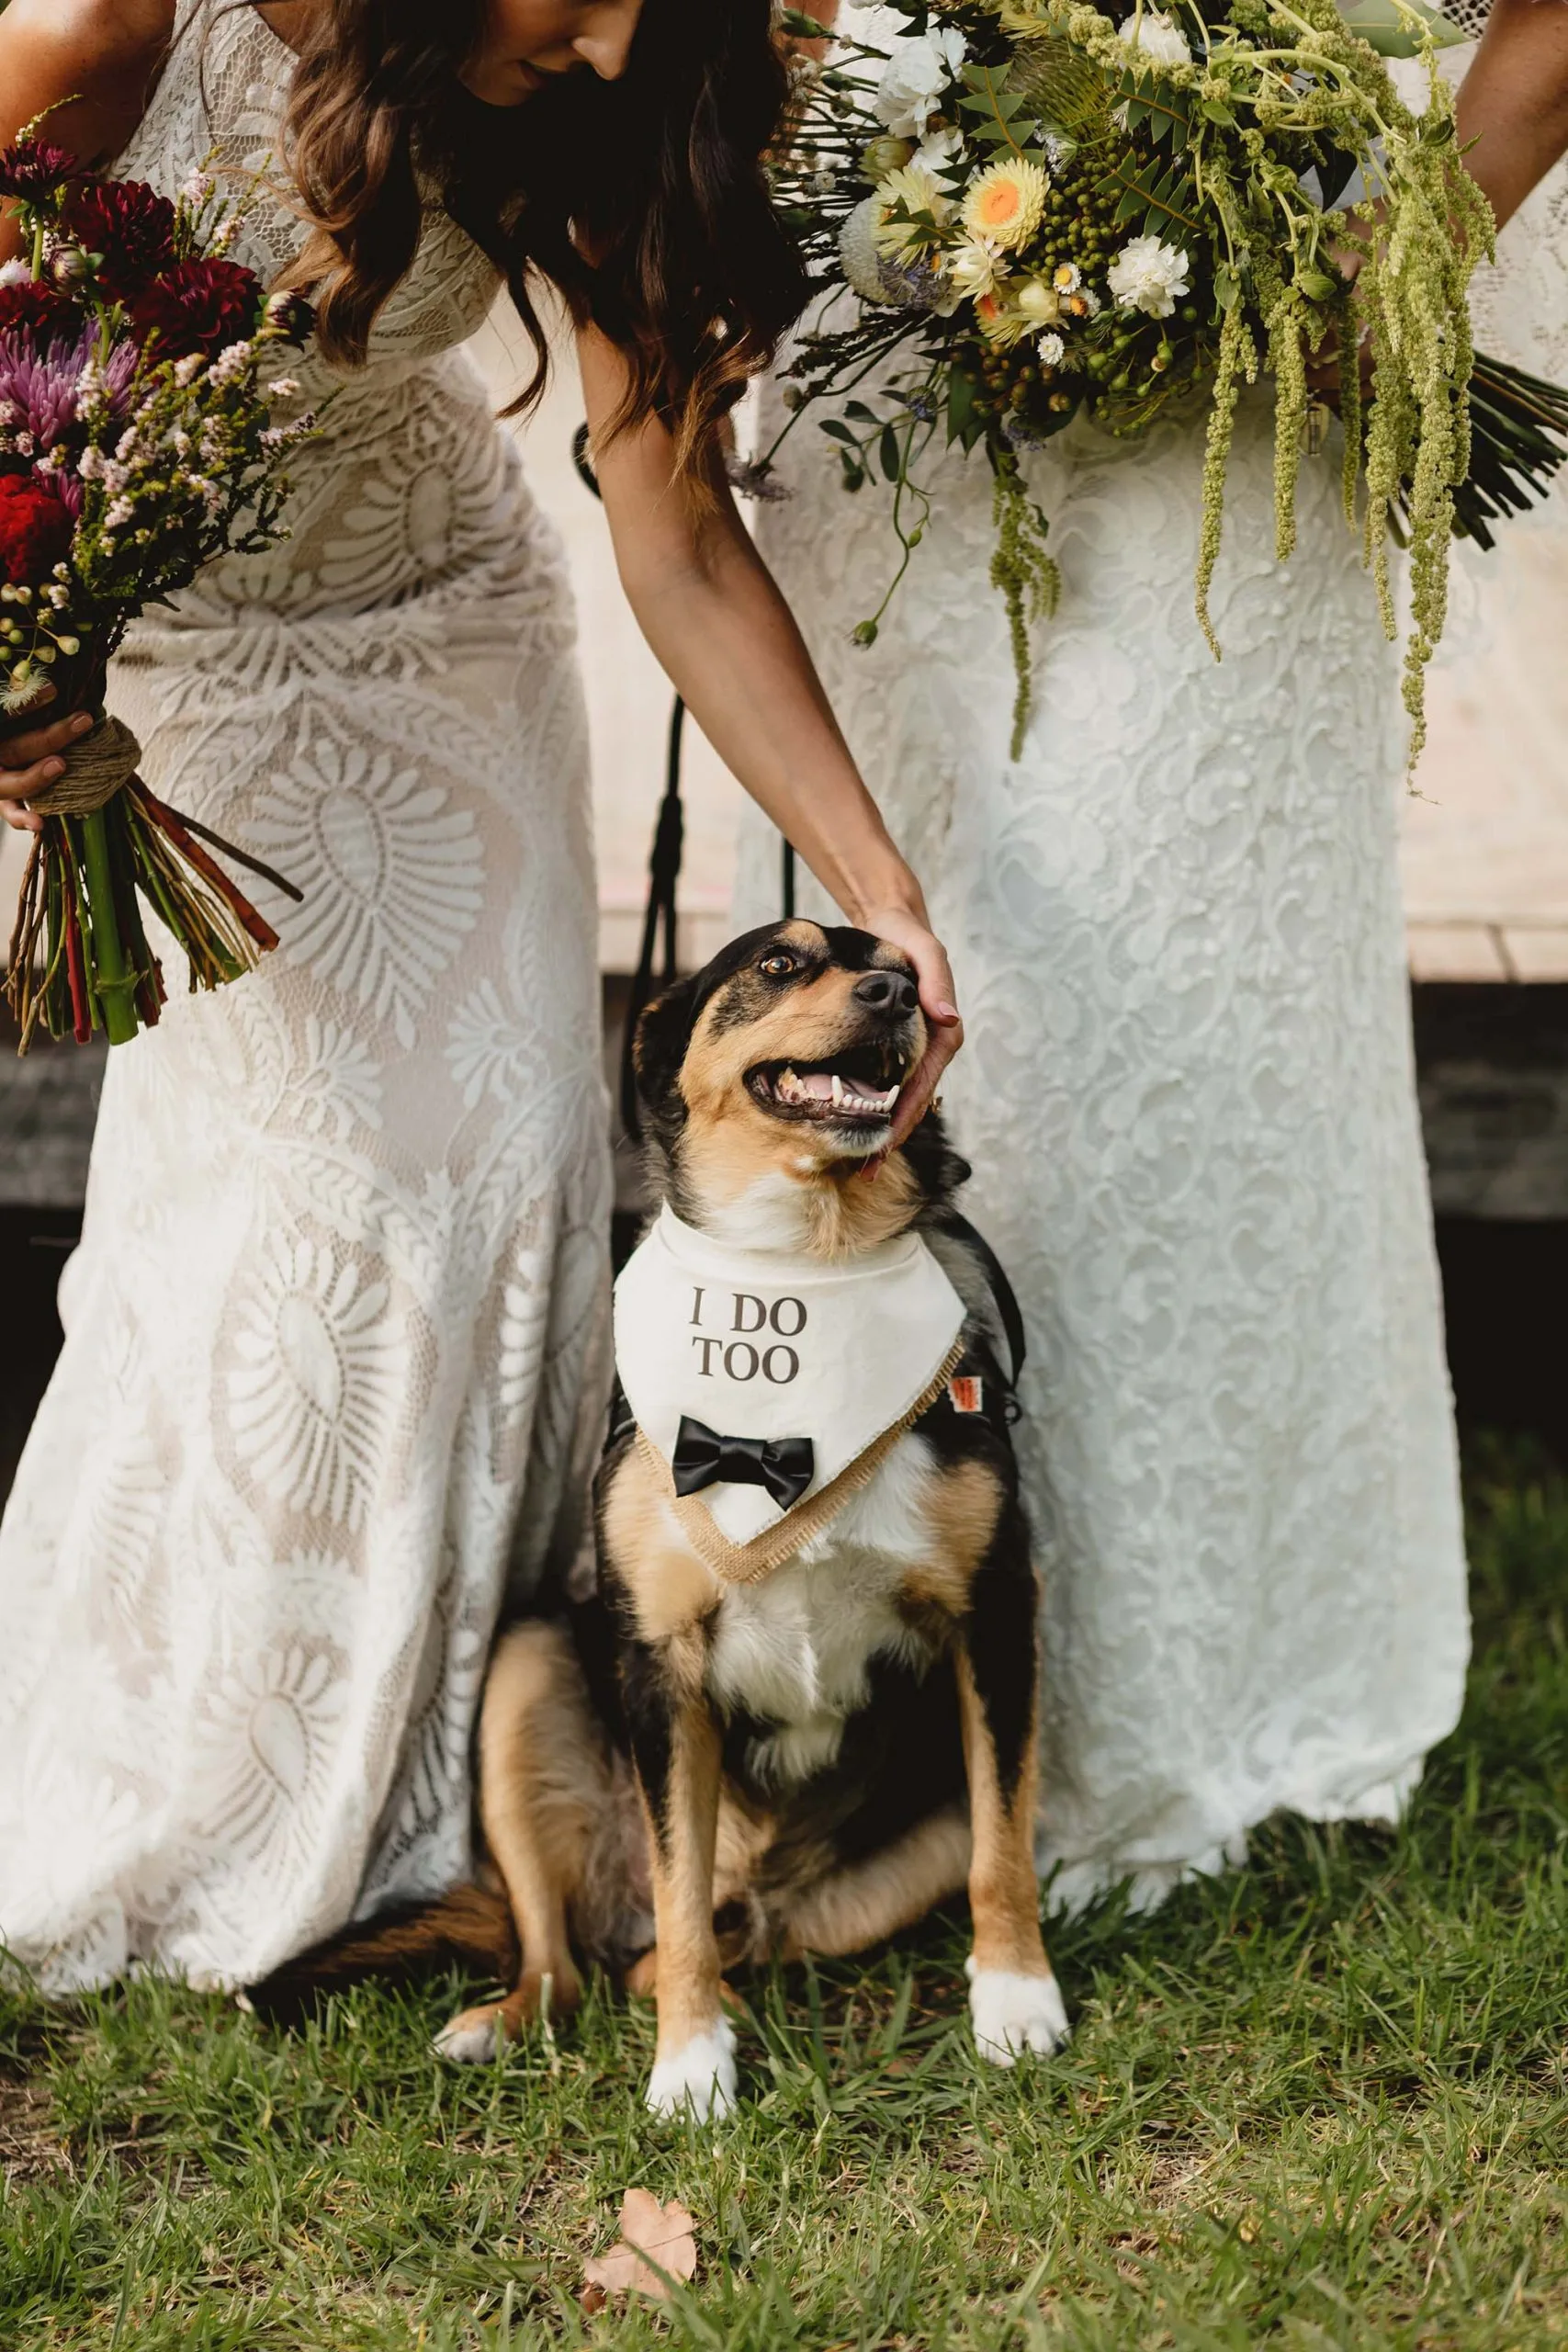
[785, 1465]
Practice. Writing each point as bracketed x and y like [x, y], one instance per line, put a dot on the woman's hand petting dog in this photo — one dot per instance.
[944, 1024]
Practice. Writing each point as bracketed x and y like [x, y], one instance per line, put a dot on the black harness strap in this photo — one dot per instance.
[960, 1229]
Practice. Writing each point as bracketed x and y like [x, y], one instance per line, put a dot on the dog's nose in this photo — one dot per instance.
[887, 992]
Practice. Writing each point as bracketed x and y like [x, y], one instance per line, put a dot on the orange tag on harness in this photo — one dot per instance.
[967, 1391]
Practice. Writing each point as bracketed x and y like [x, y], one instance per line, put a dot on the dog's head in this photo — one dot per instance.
[771, 1078]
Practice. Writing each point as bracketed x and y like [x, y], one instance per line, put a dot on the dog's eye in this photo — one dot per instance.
[778, 965]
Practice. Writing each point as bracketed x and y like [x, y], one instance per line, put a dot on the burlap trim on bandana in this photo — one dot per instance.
[746, 1563]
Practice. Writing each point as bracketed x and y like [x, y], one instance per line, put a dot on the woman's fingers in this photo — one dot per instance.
[39, 744]
[32, 761]
[21, 783]
[944, 1029]
[919, 1091]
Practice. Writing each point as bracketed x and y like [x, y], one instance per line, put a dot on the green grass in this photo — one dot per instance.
[1321, 2102]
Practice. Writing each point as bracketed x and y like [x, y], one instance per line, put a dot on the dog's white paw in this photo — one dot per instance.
[471, 2039]
[699, 2079]
[1013, 2013]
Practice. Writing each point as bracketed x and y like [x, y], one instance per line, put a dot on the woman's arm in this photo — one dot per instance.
[1513, 102]
[103, 55]
[708, 607]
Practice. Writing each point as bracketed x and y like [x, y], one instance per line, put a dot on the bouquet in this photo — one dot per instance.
[1046, 207]
[137, 442]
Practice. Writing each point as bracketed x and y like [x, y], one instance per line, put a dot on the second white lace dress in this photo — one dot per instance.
[335, 1332]
[1188, 1095]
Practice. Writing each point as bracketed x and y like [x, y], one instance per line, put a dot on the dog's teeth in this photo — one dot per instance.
[838, 1091]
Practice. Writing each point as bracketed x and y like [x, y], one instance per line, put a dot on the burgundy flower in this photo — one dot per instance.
[36, 310]
[32, 171]
[198, 306]
[130, 224]
[35, 530]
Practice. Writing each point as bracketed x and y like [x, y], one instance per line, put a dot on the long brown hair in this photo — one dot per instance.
[643, 201]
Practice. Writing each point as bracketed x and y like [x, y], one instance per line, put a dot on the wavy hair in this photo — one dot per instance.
[642, 200]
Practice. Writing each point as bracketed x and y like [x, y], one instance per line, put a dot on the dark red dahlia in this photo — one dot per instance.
[33, 171]
[130, 224]
[36, 309]
[198, 306]
[35, 530]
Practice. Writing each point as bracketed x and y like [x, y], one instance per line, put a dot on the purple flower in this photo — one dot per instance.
[40, 383]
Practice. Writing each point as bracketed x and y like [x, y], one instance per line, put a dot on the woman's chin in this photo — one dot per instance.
[512, 85]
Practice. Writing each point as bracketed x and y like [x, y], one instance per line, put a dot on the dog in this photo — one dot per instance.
[795, 1732]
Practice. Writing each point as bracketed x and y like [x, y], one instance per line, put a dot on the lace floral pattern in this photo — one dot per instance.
[335, 1331]
[1188, 1095]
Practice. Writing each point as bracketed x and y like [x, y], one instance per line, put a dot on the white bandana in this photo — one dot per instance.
[767, 1345]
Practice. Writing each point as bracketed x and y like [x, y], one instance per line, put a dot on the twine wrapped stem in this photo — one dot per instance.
[97, 767]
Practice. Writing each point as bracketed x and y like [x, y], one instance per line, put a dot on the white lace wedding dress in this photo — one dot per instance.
[1188, 1095]
[335, 1331]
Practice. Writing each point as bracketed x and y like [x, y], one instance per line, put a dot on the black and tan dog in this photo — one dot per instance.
[685, 1771]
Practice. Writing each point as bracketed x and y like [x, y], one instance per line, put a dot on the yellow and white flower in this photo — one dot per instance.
[975, 268]
[915, 191]
[1005, 202]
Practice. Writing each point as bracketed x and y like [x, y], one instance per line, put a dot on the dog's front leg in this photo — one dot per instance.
[1013, 1997]
[676, 1749]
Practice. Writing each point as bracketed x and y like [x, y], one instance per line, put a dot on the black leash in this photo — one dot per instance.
[663, 873]
[664, 869]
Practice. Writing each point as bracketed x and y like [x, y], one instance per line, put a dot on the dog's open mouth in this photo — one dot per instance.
[858, 1089]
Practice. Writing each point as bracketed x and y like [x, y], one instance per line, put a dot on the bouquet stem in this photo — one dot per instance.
[80, 957]
[114, 983]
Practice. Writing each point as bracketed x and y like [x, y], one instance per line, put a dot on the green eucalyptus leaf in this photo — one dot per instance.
[1388, 28]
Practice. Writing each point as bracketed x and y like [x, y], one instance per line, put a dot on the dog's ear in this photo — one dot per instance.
[663, 1035]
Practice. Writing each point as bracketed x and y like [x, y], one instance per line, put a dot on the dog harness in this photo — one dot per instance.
[768, 1387]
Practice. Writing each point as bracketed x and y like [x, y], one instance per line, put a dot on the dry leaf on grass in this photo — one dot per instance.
[663, 2232]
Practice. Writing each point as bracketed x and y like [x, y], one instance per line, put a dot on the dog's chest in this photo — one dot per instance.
[795, 1650]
